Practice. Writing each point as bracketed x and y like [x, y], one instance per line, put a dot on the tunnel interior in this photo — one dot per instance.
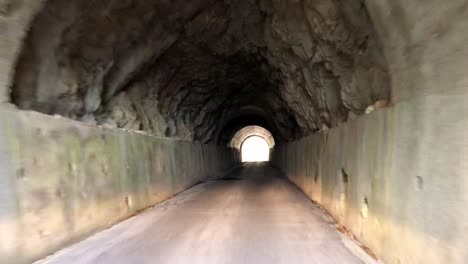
[109, 107]
[203, 70]
[217, 72]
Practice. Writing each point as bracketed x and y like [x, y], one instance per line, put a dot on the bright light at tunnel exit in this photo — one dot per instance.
[255, 149]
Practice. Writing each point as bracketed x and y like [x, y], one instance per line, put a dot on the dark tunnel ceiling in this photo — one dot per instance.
[189, 69]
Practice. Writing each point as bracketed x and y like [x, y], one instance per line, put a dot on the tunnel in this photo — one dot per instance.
[253, 143]
[126, 130]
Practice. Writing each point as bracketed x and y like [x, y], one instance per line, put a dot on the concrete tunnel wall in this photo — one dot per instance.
[109, 174]
[406, 162]
[62, 180]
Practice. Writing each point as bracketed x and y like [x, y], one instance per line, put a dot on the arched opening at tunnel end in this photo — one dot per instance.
[254, 144]
[255, 149]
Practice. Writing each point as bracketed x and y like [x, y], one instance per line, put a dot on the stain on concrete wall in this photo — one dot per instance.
[62, 180]
[400, 197]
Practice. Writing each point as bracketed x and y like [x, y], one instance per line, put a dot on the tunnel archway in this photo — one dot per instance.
[254, 143]
[250, 131]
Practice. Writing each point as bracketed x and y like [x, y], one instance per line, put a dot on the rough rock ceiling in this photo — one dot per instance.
[189, 69]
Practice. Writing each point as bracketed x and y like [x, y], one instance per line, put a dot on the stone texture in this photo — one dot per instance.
[329, 56]
[61, 181]
[406, 164]
[15, 19]
[185, 70]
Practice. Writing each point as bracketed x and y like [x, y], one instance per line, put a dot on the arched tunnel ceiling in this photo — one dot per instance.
[186, 69]
[245, 118]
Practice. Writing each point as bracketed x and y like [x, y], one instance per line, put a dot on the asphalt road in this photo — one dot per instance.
[251, 216]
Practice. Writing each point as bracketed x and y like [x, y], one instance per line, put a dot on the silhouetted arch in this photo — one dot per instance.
[249, 131]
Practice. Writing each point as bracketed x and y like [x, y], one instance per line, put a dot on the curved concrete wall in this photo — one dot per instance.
[62, 180]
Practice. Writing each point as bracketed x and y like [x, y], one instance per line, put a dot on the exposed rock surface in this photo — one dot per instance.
[185, 69]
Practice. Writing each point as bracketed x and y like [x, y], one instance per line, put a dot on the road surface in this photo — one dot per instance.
[250, 216]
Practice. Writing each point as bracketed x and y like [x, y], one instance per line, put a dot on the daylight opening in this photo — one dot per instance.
[255, 149]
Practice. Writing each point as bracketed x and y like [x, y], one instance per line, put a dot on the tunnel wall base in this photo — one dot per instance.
[399, 190]
[61, 180]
